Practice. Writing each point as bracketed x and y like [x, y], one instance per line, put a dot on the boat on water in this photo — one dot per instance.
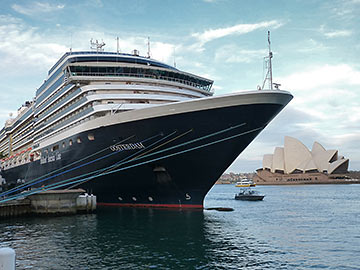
[245, 183]
[131, 130]
[247, 194]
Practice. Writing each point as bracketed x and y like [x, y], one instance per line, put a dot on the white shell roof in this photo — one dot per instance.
[296, 156]
[278, 159]
[267, 161]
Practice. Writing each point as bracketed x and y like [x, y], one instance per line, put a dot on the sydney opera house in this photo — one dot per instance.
[295, 163]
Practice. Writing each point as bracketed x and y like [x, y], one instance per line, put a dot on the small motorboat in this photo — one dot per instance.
[249, 195]
[245, 183]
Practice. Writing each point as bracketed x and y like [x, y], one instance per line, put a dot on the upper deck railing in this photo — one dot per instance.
[136, 59]
[137, 75]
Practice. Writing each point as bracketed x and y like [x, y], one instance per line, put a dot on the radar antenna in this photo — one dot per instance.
[96, 45]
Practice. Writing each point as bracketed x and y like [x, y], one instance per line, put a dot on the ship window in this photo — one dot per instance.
[63, 144]
[91, 137]
[78, 140]
[94, 69]
[45, 151]
[70, 142]
[55, 147]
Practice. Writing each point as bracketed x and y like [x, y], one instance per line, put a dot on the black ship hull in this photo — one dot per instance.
[249, 197]
[168, 161]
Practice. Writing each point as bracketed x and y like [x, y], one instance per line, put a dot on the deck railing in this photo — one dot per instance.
[143, 75]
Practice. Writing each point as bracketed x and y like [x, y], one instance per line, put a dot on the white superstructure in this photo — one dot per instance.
[84, 86]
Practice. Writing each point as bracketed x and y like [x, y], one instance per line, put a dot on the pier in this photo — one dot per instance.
[52, 202]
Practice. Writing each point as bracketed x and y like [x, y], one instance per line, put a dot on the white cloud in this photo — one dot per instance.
[311, 46]
[34, 8]
[95, 3]
[338, 33]
[163, 51]
[325, 108]
[330, 96]
[158, 50]
[334, 33]
[345, 9]
[238, 29]
[24, 46]
[322, 76]
[329, 93]
[8, 20]
[234, 54]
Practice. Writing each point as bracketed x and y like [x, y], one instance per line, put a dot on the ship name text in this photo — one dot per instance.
[127, 146]
[50, 158]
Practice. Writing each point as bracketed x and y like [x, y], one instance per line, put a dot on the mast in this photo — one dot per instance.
[148, 45]
[268, 63]
[174, 58]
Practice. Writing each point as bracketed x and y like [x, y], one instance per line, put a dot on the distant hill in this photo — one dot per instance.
[232, 178]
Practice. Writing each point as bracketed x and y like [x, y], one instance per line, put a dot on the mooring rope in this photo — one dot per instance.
[73, 181]
[81, 176]
[17, 188]
[171, 148]
[39, 179]
[135, 154]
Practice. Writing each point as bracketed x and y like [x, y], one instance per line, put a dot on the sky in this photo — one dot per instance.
[316, 47]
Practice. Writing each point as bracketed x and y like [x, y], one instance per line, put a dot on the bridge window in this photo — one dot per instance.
[142, 72]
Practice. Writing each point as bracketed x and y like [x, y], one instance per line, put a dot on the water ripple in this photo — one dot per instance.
[298, 227]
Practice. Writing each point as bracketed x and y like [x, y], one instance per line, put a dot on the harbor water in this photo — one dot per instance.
[294, 227]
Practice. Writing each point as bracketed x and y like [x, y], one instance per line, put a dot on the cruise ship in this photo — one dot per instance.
[131, 130]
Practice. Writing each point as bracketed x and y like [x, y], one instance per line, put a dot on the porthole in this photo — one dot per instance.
[134, 199]
[70, 142]
[120, 199]
[91, 137]
[63, 145]
[150, 198]
[78, 140]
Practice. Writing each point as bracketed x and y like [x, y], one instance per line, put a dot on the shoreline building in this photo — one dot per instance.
[295, 163]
